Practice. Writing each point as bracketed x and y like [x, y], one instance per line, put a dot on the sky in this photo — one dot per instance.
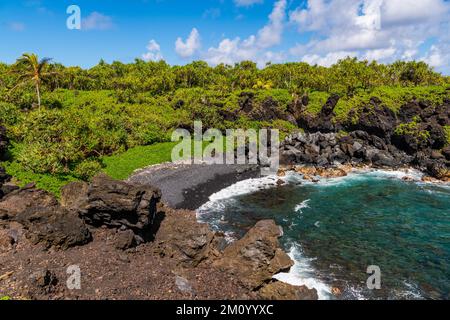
[228, 31]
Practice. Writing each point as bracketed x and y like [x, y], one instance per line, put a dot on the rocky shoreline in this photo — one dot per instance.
[135, 239]
[415, 137]
[129, 245]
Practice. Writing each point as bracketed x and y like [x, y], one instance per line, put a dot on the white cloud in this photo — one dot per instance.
[247, 3]
[153, 52]
[326, 60]
[97, 21]
[254, 47]
[270, 34]
[190, 46]
[398, 12]
[438, 57]
[383, 30]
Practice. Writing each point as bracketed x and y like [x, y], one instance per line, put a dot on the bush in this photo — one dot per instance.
[87, 169]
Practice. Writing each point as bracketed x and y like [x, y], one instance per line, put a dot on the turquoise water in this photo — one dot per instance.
[337, 228]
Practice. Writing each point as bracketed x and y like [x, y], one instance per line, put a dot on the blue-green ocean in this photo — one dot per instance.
[336, 228]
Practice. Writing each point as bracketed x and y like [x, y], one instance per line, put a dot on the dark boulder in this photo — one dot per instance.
[125, 240]
[437, 138]
[20, 200]
[246, 101]
[376, 119]
[328, 108]
[384, 159]
[43, 279]
[54, 226]
[438, 169]
[410, 110]
[442, 114]
[278, 290]
[113, 203]
[257, 257]
[446, 152]
[268, 110]
[182, 238]
[323, 122]
[297, 107]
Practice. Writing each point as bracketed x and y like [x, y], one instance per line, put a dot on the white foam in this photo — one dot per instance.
[303, 205]
[358, 175]
[245, 187]
[219, 200]
[303, 274]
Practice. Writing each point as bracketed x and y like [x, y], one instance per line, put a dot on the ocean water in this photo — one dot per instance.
[336, 228]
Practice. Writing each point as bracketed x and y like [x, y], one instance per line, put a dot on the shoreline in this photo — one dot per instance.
[299, 274]
[188, 186]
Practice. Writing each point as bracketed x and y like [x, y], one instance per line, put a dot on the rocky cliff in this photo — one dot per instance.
[374, 135]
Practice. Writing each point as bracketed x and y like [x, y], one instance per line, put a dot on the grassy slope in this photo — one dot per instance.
[121, 166]
[118, 166]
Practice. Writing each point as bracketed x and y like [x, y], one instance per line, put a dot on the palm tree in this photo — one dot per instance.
[31, 69]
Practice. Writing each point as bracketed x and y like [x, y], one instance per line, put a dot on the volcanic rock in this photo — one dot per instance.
[256, 257]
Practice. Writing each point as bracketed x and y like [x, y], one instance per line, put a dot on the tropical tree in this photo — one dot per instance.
[31, 69]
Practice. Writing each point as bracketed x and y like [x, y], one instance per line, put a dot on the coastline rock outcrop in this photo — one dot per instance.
[375, 136]
[43, 219]
[278, 290]
[54, 227]
[182, 238]
[28, 197]
[257, 257]
[113, 203]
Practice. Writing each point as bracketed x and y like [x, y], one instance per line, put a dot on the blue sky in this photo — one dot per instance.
[315, 31]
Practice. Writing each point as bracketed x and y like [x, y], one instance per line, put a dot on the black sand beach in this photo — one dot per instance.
[186, 186]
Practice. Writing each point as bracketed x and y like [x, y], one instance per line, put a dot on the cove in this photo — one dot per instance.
[336, 228]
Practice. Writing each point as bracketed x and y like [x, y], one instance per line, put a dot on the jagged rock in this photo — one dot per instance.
[125, 240]
[268, 110]
[446, 152]
[331, 172]
[246, 101]
[113, 203]
[53, 226]
[282, 291]
[438, 169]
[384, 159]
[20, 200]
[322, 122]
[43, 280]
[182, 238]
[409, 110]
[376, 120]
[256, 257]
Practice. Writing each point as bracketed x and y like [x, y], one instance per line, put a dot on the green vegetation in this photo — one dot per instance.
[392, 97]
[68, 123]
[412, 129]
[121, 166]
[447, 133]
[4, 298]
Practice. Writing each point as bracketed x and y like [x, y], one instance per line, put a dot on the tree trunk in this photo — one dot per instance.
[38, 95]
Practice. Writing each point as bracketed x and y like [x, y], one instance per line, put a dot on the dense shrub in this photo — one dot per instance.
[90, 114]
